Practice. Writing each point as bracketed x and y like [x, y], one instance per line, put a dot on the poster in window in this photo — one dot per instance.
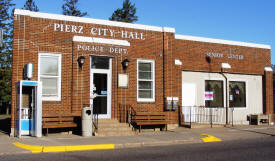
[209, 95]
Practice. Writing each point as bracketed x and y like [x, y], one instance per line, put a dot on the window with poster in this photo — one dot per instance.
[237, 94]
[214, 93]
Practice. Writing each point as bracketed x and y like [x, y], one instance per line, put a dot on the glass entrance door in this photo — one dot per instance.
[101, 86]
[100, 101]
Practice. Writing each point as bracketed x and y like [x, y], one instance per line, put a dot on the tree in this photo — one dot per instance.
[70, 9]
[30, 5]
[6, 54]
[126, 13]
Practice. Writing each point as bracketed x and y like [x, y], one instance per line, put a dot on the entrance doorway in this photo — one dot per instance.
[101, 86]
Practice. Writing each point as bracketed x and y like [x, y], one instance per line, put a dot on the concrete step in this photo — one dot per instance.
[103, 121]
[112, 127]
[115, 133]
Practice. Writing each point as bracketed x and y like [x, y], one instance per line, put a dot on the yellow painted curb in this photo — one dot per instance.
[32, 148]
[40, 149]
[89, 147]
[210, 138]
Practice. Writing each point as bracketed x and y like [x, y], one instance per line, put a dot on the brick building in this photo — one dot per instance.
[162, 66]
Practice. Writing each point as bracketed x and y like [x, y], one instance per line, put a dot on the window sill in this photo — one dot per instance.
[145, 101]
[51, 99]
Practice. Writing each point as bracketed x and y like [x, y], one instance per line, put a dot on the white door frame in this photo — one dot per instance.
[109, 87]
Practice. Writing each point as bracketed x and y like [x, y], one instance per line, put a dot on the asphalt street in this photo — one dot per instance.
[260, 149]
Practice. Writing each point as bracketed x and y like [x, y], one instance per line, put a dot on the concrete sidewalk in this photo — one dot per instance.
[177, 136]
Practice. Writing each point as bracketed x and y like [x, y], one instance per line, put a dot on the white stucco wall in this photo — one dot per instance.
[254, 96]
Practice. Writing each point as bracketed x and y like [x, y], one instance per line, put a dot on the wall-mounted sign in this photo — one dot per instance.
[102, 49]
[97, 31]
[221, 55]
[209, 95]
[123, 80]
[103, 92]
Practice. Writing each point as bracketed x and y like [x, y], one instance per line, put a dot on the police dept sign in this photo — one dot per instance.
[102, 49]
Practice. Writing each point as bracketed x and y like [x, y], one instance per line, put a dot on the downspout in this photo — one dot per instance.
[226, 96]
[163, 69]
[72, 91]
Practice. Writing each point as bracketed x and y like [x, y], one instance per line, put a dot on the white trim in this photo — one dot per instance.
[101, 40]
[178, 62]
[153, 79]
[58, 97]
[219, 41]
[268, 69]
[168, 29]
[226, 66]
[92, 21]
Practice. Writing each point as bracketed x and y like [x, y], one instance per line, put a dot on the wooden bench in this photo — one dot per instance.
[149, 118]
[57, 121]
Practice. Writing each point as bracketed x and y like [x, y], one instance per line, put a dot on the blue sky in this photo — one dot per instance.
[239, 20]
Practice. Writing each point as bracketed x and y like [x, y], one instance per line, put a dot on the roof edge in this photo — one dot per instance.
[220, 41]
[92, 20]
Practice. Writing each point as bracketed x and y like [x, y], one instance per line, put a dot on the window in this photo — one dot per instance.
[237, 94]
[100, 62]
[146, 80]
[49, 73]
[213, 93]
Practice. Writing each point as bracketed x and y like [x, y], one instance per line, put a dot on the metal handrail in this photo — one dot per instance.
[203, 114]
[95, 121]
[131, 114]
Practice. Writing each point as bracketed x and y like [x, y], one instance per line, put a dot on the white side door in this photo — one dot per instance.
[188, 101]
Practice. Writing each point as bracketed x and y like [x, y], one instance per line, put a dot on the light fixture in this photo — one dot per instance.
[208, 59]
[226, 66]
[80, 61]
[125, 64]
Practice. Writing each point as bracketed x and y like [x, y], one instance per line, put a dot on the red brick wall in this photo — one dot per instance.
[192, 55]
[268, 92]
[36, 35]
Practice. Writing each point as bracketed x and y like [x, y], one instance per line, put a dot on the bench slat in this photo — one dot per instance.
[54, 119]
[59, 114]
[56, 125]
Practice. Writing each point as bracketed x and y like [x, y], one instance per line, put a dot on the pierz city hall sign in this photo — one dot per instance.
[97, 31]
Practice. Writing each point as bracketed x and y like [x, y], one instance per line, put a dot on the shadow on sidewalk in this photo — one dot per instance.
[252, 131]
[5, 125]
